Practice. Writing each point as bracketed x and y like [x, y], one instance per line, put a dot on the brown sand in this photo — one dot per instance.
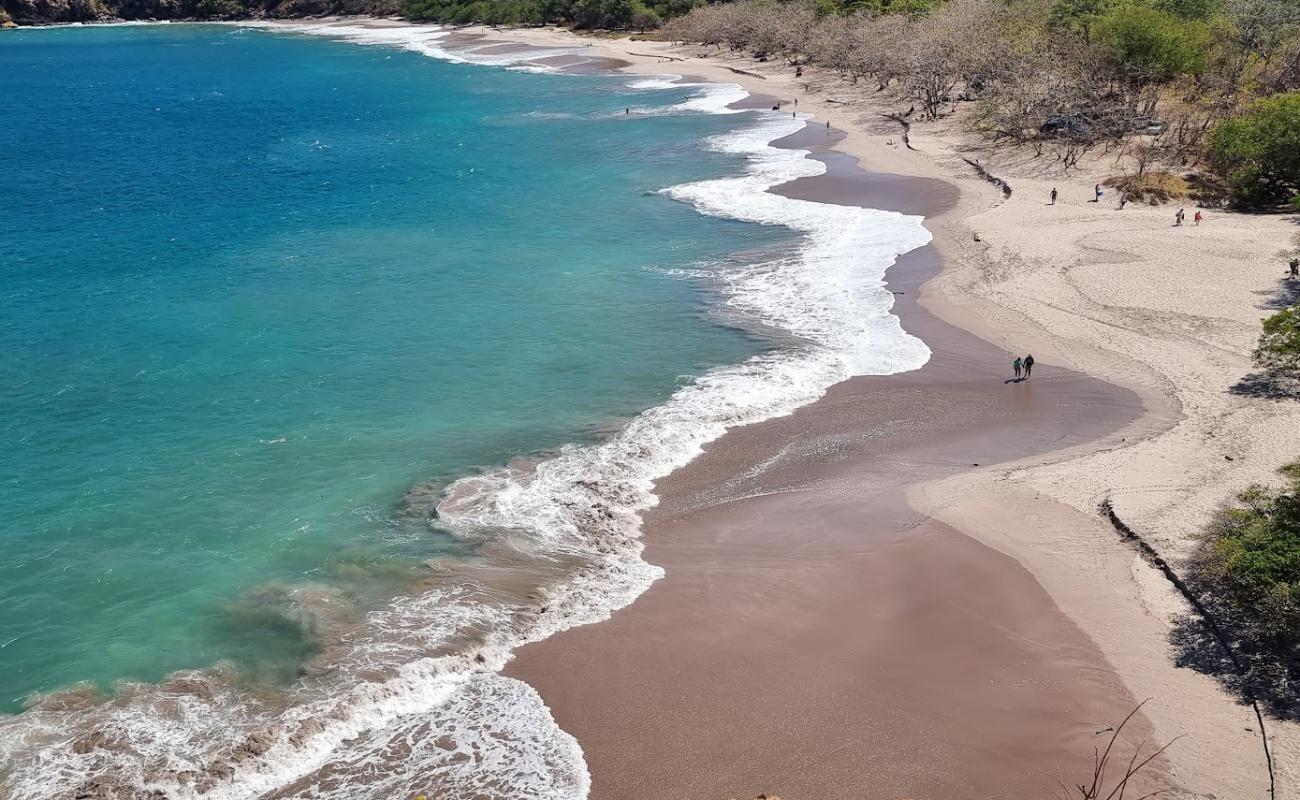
[816, 637]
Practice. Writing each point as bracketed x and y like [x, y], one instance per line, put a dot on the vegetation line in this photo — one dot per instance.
[1150, 555]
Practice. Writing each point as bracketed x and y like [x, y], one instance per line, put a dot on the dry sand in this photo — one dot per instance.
[854, 610]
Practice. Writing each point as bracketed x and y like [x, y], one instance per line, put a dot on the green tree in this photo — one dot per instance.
[1258, 152]
[1078, 15]
[1191, 9]
[1146, 45]
[643, 18]
[667, 9]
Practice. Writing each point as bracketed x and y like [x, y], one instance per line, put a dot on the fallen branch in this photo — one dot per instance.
[1150, 555]
[907, 128]
[655, 55]
[990, 177]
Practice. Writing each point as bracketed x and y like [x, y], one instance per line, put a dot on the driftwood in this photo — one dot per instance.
[750, 74]
[901, 119]
[990, 177]
[655, 55]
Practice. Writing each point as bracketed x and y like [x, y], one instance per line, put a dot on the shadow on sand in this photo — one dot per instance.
[1269, 677]
[1267, 384]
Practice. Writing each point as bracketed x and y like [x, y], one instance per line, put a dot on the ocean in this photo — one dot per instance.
[333, 373]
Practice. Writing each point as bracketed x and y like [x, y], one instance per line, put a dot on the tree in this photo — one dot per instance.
[946, 49]
[1279, 345]
[643, 18]
[1146, 45]
[1077, 15]
[1258, 152]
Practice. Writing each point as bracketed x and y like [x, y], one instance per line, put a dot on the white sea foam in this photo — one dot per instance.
[401, 711]
[428, 40]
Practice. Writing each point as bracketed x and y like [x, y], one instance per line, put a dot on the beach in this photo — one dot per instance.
[1165, 317]
[843, 554]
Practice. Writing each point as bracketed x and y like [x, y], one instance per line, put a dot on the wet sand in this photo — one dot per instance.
[817, 638]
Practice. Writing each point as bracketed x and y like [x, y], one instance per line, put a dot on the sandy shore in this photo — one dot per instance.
[815, 636]
[906, 590]
[1168, 314]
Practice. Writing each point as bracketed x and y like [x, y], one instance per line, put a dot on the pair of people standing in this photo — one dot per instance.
[1023, 367]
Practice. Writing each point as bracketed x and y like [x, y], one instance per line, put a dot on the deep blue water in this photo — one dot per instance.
[255, 287]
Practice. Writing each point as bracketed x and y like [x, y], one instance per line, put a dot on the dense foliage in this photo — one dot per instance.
[46, 11]
[1259, 151]
[1247, 572]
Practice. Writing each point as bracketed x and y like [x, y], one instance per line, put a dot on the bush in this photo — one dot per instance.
[1247, 573]
[1258, 152]
[1252, 558]
[1279, 345]
[1151, 187]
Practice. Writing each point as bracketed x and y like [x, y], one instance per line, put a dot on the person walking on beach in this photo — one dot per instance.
[1178, 218]
[1097, 193]
[1053, 195]
[1295, 268]
[1029, 366]
[1196, 218]
[1015, 365]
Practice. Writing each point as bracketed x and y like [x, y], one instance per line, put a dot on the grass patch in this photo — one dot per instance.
[1152, 187]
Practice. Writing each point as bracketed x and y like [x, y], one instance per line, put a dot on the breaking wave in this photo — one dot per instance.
[410, 698]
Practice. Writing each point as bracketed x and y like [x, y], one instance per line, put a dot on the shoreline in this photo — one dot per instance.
[992, 287]
[1017, 575]
[1128, 621]
[802, 521]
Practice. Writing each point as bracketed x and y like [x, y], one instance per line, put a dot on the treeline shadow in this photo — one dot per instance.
[1285, 295]
[1265, 383]
[1254, 670]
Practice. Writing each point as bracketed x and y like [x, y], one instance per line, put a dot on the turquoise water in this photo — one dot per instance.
[255, 287]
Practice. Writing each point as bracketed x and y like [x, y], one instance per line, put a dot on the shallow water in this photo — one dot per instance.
[257, 286]
[360, 378]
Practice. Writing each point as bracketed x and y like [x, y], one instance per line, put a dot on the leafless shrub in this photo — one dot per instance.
[1102, 786]
[1048, 86]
